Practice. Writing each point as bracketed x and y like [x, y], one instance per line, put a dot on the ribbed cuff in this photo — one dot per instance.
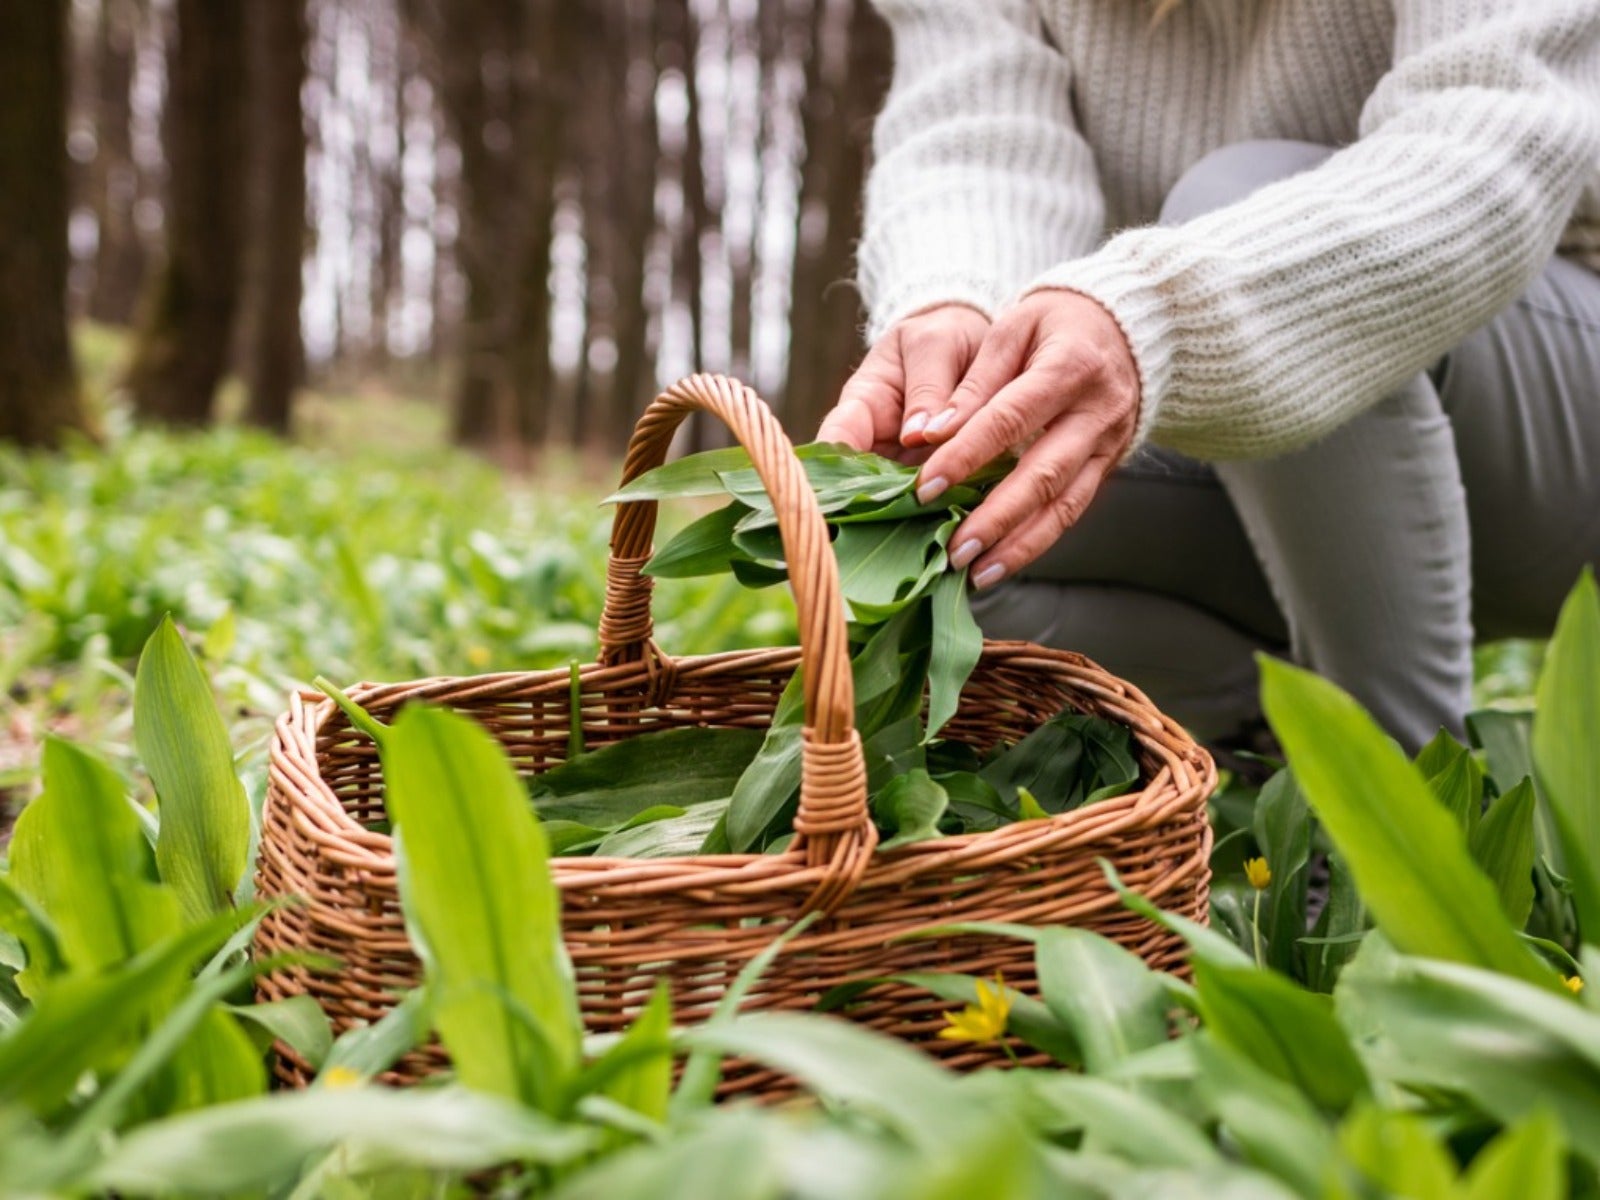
[1113, 280]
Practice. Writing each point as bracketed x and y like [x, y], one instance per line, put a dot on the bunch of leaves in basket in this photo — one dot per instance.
[914, 642]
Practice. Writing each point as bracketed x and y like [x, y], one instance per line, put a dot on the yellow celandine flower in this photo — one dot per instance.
[984, 1021]
[341, 1077]
[1258, 873]
[1574, 983]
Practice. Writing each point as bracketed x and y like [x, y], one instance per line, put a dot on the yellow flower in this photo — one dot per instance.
[1258, 873]
[478, 655]
[1574, 984]
[341, 1077]
[984, 1021]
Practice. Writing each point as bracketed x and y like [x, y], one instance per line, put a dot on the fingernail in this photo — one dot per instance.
[914, 424]
[989, 576]
[966, 552]
[940, 421]
[932, 489]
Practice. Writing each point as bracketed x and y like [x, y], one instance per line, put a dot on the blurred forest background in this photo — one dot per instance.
[533, 211]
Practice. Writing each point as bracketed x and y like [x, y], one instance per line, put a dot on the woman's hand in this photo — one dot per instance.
[1054, 369]
[908, 375]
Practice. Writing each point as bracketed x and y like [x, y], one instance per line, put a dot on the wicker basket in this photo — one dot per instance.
[697, 921]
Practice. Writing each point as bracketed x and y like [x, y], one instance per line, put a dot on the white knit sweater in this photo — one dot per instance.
[1017, 135]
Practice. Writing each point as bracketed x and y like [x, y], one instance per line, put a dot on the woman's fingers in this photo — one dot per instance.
[1043, 476]
[936, 348]
[1044, 527]
[867, 416]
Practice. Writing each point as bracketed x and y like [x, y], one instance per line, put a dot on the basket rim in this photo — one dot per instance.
[1186, 773]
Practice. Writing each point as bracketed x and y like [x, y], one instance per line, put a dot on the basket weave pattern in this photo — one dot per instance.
[696, 921]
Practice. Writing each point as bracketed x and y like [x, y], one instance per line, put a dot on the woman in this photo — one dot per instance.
[1339, 374]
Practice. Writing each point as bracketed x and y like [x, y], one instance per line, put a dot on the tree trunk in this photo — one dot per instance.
[120, 258]
[744, 258]
[186, 320]
[638, 145]
[274, 353]
[542, 74]
[39, 396]
[825, 307]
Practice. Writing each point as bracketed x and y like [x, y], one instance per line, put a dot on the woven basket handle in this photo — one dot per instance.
[833, 828]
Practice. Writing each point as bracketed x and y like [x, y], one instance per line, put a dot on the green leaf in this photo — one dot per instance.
[1459, 787]
[1069, 761]
[1510, 1048]
[1339, 929]
[205, 817]
[957, 646]
[877, 668]
[24, 920]
[79, 854]
[369, 1050]
[1438, 755]
[1528, 1161]
[1408, 857]
[877, 561]
[731, 1155]
[297, 1021]
[845, 1064]
[1503, 845]
[1398, 1152]
[476, 882]
[1272, 1122]
[1113, 1003]
[693, 475]
[701, 1071]
[1566, 746]
[85, 1022]
[1203, 941]
[262, 1143]
[773, 776]
[1029, 809]
[637, 1071]
[610, 786]
[682, 832]
[1282, 828]
[909, 808]
[1283, 1029]
[1506, 739]
[1123, 1121]
[703, 547]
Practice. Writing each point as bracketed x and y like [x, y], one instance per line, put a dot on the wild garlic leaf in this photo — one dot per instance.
[957, 646]
[703, 547]
[678, 767]
[909, 808]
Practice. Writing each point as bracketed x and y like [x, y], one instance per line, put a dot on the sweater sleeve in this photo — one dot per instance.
[1262, 326]
[975, 189]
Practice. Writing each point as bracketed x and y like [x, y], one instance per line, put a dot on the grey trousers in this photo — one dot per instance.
[1461, 507]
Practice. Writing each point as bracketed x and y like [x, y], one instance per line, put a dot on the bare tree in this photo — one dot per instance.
[120, 257]
[273, 351]
[843, 95]
[186, 321]
[39, 396]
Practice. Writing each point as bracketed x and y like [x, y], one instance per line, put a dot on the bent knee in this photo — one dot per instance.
[1234, 171]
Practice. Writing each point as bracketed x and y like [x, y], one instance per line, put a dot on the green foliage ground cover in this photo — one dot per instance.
[395, 562]
[1448, 1053]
